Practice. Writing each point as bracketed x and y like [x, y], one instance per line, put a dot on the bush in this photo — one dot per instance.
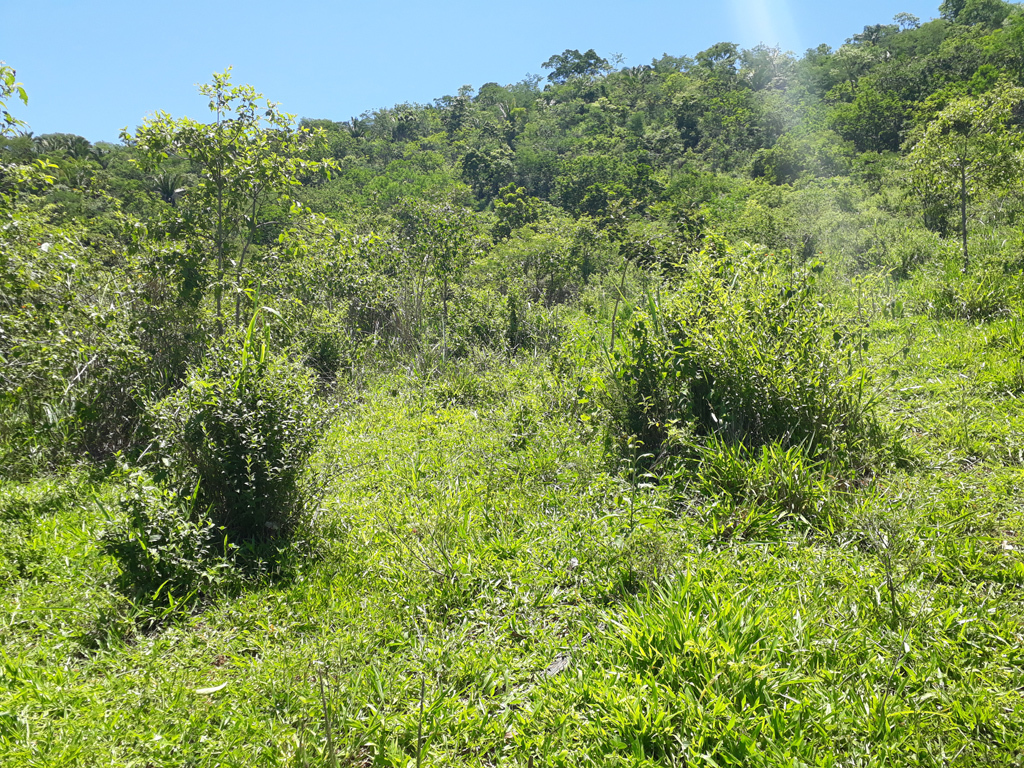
[168, 551]
[72, 377]
[743, 351]
[241, 430]
[328, 346]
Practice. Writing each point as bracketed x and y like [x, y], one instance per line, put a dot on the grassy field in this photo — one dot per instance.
[487, 585]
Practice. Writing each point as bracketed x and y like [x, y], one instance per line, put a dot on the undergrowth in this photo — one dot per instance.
[496, 583]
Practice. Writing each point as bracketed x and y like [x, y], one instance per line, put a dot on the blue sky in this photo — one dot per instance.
[92, 68]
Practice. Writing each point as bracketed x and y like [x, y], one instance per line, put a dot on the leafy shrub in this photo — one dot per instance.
[478, 319]
[73, 377]
[743, 351]
[324, 351]
[104, 410]
[241, 429]
[166, 548]
[328, 346]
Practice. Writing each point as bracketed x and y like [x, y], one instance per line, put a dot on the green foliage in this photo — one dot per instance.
[515, 209]
[240, 431]
[572, 64]
[553, 262]
[436, 243]
[245, 160]
[742, 350]
[166, 548]
[9, 87]
[72, 377]
[873, 121]
[964, 150]
[761, 495]
[990, 13]
[327, 346]
[747, 578]
[420, 174]
[948, 293]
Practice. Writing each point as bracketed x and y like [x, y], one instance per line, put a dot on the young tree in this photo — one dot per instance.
[438, 243]
[246, 160]
[963, 152]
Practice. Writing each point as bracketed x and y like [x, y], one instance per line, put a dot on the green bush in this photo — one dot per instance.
[478, 319]
[169, 552]
[328, 345]
[241, 429]
[73, 376]
[741, 350]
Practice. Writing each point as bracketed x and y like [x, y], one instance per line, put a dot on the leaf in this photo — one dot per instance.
[214, 689]
[560, 664]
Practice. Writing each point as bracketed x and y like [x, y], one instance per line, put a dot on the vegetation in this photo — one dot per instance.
[653, 415]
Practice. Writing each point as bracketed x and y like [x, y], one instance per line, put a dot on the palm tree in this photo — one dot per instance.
[170, 186]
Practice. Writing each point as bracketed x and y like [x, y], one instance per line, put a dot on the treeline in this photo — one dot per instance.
[646, 143]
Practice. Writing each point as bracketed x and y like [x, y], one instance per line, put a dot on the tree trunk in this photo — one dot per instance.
[444, 319]
[963, 215]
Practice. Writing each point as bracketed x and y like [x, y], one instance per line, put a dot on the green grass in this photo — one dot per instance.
[484, 587]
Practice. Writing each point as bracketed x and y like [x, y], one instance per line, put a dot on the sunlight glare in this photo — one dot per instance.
[765, 21]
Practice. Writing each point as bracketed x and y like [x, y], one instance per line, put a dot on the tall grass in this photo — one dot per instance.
[741, 349]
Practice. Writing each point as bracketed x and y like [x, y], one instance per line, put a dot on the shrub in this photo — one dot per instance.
[168, 551]
[72, 375]
[478, 319]
[241, 430]
[742, 350]
[328, 346]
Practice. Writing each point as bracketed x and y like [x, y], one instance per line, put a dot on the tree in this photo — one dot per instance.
[438, 241]
[950, 9]
[874, 34]
[765, 66]
[873, 120]
[906, 21]
[991, 13]
[964, 151]
[571, 64]
[487, 170]
[719, 64]
[9, 125]
[245, 160]
[515, 209]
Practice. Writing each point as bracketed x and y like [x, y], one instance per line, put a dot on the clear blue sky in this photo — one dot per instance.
[91, 68]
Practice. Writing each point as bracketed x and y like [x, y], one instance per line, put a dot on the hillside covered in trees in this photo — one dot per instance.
[625, 415]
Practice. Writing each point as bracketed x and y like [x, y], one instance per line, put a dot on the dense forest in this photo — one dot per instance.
[625, 415]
